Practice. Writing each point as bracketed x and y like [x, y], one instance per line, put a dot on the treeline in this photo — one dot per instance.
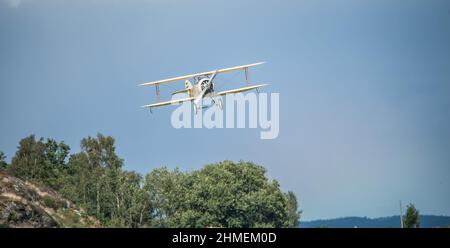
[224, 194]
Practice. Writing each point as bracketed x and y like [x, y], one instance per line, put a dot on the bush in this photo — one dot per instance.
[53, 203]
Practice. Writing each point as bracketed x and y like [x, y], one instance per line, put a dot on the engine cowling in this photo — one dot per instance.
[205, 84]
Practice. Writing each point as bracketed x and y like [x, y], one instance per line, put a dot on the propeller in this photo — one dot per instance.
[197, 101]
[200, 97]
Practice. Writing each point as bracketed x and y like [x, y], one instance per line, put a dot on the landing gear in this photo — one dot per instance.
[218, 102]
[195, 108]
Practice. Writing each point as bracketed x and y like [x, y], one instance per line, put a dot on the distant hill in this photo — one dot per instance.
[23, 204]
[392, 221]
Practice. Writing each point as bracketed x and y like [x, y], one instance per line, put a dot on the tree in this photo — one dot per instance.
[40, 161]
[292, 210]
[226, 194]
[167, 191]
[29, 159]
[3, 164]
[412, 218]
[55, 155]
[99, 184]
[91, 185]
[79, 179]
[133, 203]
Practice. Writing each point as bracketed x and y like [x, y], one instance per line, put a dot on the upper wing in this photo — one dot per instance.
[226, 92]
[202, 74]
[159, 104]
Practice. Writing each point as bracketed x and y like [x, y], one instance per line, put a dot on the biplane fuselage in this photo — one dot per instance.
[195, 90]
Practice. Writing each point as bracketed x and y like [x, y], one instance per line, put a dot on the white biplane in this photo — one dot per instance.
[202, 87]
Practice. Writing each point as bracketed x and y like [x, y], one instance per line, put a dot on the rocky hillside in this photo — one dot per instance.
[23, 204]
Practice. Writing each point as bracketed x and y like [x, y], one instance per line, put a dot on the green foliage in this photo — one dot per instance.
[166, 190]
[292, 210]
[3, 164]
[71, 219]
[55, 155]
[40, 161]
[28, 162]
[411, 219]
[100, 185]
[226, 194]
[53, 202]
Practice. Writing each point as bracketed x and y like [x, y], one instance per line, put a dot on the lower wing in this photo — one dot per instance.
[159, 104]
[226, 92]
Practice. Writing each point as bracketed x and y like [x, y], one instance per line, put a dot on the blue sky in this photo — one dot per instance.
[364, 90]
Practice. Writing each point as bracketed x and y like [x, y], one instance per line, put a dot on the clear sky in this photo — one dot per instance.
[364, 90]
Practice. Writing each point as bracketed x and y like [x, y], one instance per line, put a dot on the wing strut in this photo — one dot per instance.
[247, 82]
[158, 98]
